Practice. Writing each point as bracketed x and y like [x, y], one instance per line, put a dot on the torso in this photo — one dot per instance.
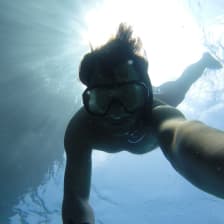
[138, 141]
[138, 138]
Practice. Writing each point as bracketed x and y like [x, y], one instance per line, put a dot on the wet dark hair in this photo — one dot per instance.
[118, 50]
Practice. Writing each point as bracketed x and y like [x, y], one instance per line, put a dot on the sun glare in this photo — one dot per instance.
[170, 35]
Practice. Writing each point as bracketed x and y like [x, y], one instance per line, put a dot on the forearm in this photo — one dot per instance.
[197, 153]
[76, 208]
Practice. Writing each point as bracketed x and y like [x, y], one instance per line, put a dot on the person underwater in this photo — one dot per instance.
[121, 113]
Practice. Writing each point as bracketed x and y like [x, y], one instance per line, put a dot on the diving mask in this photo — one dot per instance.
[131, 95]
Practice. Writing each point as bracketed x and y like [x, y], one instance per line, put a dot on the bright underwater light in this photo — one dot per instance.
[171, 37]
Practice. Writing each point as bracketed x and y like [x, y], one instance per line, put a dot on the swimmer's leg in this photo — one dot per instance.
[173, 92]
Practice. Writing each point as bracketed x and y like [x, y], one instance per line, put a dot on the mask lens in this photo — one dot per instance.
[97, 100]
[132, 96]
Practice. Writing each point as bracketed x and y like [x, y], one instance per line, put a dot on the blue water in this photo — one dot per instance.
[41, 44]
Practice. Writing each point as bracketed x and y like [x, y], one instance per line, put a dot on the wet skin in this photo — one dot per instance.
[193, 149]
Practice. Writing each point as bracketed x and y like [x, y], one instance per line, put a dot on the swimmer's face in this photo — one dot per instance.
[118, 96]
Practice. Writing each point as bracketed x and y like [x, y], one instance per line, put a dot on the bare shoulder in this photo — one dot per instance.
[78, 129]
[162, 112]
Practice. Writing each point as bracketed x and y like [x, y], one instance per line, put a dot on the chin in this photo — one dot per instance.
[118, 122]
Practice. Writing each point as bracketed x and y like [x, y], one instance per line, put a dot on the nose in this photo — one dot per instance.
[117, 111]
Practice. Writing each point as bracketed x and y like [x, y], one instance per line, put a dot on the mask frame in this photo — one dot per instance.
[111, 94]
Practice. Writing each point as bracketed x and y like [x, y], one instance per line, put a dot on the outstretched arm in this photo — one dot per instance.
[75, 208]
[195, 150]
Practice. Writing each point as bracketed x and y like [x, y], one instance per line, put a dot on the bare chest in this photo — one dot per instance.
[138, 140]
